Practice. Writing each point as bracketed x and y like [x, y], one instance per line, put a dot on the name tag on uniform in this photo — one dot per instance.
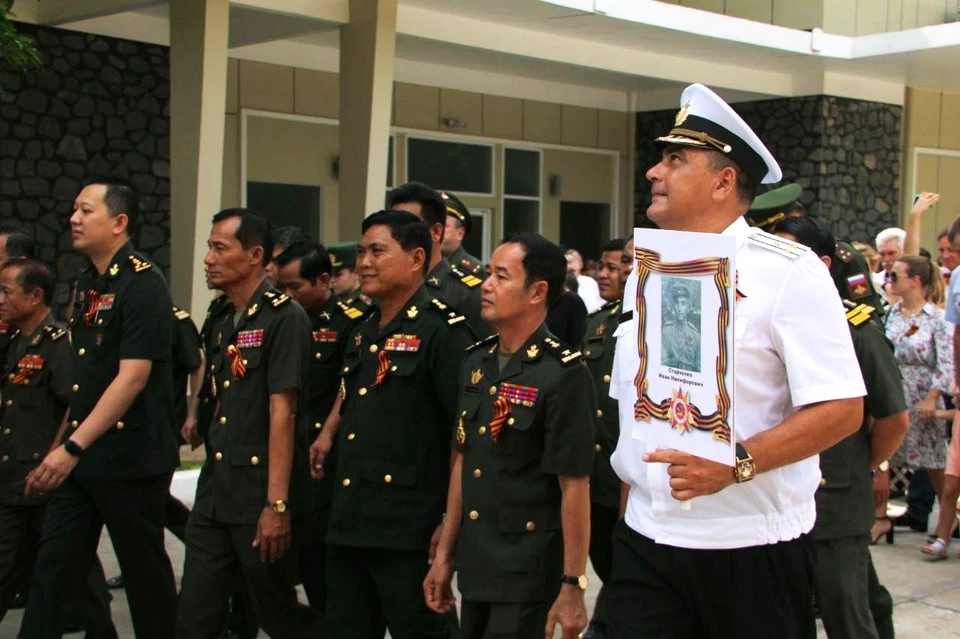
[519, 395]
[105, 302]
[31, 362]
[250, 339]
[325, 336]
[402, 343]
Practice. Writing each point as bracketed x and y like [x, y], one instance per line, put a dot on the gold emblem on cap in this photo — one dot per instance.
[476, 376]
[682, 114]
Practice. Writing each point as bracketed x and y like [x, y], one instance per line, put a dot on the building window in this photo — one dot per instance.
[287, 204]
[521, 191]
[450, 166]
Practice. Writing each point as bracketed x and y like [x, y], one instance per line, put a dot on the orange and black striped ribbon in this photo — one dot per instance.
[237, 366]
[501, 409]
[94, 303]
[383, 365]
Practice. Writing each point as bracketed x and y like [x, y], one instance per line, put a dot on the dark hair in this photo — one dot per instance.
[19, 244]
[542, 261]
[571, 283]
[120, 196]
[33, 275]
[314, 259]
[925, 253]
[954, 230]
[809, 231]
[616, 244]
[254, 230]
[407, 229]
[432, 206]
[944, 233]
[286, 236]
[746, 189]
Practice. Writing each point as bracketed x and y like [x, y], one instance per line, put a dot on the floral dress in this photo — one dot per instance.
[924, 350]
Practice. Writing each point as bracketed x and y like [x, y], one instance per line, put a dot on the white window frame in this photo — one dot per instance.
[486, 241]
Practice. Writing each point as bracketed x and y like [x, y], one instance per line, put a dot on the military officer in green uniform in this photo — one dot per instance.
[399, 394]
[254, 490]
[304, 274]
[36, 381]
[681, 338]
[852, 602]
[449, 284]
[14, 242]
[187, 370]
[459, 225]
[118, 451]
[344, 280]
[598, 348]
[518, 506]
[848, 268]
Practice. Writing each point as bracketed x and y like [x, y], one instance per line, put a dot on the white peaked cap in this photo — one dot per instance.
[706, 121]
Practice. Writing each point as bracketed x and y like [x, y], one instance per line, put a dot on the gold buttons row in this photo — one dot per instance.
[254, 461]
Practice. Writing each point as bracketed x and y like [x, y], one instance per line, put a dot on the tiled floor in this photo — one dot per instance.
[926, 595]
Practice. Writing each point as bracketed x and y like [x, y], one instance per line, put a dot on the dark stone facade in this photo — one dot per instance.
[97, 105]
[844, 153]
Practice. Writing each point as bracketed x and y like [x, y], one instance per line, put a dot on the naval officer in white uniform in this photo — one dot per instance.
[736, 561]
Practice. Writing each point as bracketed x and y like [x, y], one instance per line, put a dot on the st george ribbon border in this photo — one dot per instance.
[717, 422]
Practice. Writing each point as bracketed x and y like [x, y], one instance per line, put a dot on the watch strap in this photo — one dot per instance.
[73, 448]
[741, 452]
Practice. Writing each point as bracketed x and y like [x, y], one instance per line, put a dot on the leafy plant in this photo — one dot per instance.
[16, 50]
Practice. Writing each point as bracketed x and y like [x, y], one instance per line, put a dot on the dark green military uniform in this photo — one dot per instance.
[208, 401]
[467, 263]
[36, 382]
[598, 349]
[123, 478]
[460, 259]
[461, 291]
[393, 467]
[263, 349]
[510, 549]
[848, 268]
[846, 580]
[332, 326]
[344, 255]
[6, 334]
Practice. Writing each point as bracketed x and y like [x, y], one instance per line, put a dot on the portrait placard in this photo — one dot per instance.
[684, 327]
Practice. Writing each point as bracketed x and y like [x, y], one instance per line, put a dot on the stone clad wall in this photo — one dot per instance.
[844, 153]
[98, 105]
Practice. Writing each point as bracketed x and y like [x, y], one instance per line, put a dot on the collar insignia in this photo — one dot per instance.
[533, 351]
[412, 312]
[253, 309]
[114, 270]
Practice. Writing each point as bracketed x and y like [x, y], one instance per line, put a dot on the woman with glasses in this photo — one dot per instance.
[923, 343]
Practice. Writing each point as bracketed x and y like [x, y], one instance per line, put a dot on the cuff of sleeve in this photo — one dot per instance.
[826, 393]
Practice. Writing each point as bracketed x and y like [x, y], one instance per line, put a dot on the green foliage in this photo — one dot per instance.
[16, 50]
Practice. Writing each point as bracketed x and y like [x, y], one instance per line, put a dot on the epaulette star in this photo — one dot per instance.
[54, 332]
[452, 316]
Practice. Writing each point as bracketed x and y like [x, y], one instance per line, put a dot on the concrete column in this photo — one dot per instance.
[198, 100]
[366, 102]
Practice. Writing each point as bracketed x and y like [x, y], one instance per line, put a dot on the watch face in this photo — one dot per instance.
[280, 506]
[582, 582]
[745, 469]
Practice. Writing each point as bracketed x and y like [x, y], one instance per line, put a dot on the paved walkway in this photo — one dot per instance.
[926, 595]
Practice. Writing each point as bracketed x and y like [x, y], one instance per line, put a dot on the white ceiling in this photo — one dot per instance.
[538, 43]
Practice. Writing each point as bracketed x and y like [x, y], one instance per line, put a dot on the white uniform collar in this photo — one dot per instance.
[740, 228]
